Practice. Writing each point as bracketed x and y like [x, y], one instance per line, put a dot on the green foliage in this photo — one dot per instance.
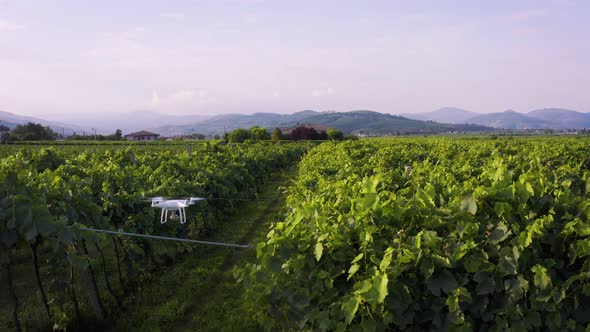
[238, 135]
[307, 133]
[48, 194]
[259, 134]
[277, 135]
[335, 135]
[117, 136]
[476, 235]
[31, 132]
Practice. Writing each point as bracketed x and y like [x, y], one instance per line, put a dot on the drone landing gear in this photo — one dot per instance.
[179, 213]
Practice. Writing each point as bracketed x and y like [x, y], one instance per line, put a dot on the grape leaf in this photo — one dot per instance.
[349, 308]
[468, 204]
[319, 249]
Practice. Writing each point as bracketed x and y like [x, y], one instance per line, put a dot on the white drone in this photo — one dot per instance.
[175, 205]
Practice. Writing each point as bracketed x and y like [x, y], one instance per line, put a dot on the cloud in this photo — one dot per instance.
[124, 48]
[322, 92]
[184, 97]
[6, 26]
[524, 15]
[173, 16]
[155, 98]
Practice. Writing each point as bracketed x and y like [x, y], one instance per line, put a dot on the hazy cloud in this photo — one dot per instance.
[524, 15]
[6, 26]
[125, 48]
[321, 92]
[180, 98]
[155, 98]
[173, 16]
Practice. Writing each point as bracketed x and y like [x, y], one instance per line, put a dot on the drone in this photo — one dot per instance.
[175, 205]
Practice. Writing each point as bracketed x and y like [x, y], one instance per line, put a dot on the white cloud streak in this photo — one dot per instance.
[173, 16]
[7, 26]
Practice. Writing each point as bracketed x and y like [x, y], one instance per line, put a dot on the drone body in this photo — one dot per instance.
[175, 205]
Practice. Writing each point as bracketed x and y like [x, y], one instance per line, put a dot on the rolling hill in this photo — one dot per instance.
[562, 118]
[348, 122]
[443, 115]
[12, 120]
[550, 118]
[107, 123]
[510, 120]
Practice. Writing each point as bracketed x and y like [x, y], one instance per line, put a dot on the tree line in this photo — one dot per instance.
[300, 133]
[37, 132]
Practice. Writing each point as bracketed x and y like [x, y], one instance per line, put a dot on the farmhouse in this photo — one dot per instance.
[142, 136]
[317, 127]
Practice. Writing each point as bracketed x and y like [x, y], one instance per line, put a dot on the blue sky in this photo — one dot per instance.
[212, 57]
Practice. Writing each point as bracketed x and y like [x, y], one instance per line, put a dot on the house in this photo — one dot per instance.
[317, 127]
[142, 136]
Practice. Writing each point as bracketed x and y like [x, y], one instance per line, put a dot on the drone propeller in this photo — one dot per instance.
[193, 200]
[155, 199]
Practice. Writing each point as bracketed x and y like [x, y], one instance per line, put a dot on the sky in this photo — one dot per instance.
[245, 56]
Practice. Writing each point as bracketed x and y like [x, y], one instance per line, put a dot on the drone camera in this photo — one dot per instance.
[156, 200]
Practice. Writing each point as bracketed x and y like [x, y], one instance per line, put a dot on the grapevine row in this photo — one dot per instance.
[432, 234]
[47, 195]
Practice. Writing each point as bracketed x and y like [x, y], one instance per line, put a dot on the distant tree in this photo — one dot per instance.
[238, 135]
[32, 132]
[277, 135]
[259, 134]
[351, 137]
[117, 136]
[305, 133]
[4, 133]
[216, 137]
[193, 136]
[335, 135]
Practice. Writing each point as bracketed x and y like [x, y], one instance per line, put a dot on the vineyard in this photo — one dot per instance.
[432, 234]
[379, 234]
[48, 195]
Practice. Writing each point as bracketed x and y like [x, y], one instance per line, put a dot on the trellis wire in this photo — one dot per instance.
[244, 246]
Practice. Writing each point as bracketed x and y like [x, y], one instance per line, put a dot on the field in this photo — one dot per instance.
[56, 274]
[431, 234]
[434, 233]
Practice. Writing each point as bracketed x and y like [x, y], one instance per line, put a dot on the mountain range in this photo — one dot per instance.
[348, 122]
[129, 121]
[441, 120]
[443, 115]
[547, 118]
[12, 120]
